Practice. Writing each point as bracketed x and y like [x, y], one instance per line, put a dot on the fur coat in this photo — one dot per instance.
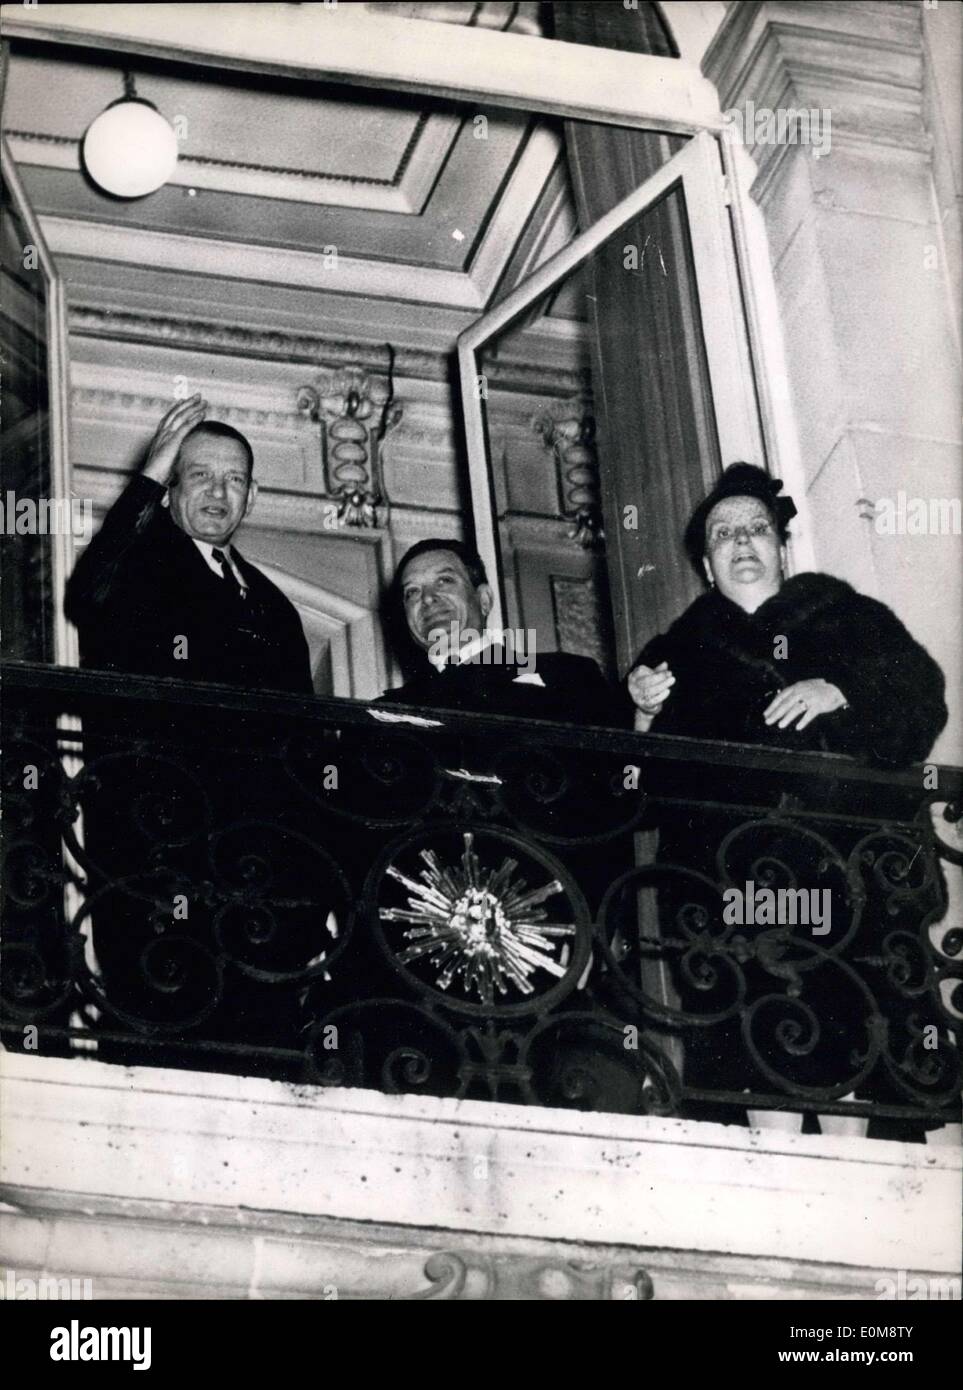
[729, 664]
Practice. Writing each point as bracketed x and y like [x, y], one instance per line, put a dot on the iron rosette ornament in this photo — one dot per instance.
[479, 921]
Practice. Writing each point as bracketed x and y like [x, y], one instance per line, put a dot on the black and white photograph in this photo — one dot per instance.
[482, 677]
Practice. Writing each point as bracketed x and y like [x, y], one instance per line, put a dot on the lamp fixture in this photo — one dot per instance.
[130, 150]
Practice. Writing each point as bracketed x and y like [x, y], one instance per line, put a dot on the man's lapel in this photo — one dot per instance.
[189, 567]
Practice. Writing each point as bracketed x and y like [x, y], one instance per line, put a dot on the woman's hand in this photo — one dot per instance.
[809, 699]
[650, 687]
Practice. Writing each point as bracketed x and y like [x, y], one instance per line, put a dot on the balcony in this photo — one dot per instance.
[345, 896]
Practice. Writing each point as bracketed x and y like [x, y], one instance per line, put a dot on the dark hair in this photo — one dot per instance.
[467, 554]
[216, 429]
[395, 621]
[739, 480]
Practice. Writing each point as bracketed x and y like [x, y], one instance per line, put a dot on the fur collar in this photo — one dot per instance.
[805, 598]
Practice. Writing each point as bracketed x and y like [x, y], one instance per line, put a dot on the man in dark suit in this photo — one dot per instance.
[438, 609]
[442, 598]
[161, 590]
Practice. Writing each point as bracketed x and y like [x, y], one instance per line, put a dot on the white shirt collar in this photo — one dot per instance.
[207, 550]
[469, 650]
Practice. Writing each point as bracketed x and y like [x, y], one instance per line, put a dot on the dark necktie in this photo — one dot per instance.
[228, 573]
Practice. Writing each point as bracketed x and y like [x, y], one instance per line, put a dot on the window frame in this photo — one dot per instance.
[58, 372]
[697, 172]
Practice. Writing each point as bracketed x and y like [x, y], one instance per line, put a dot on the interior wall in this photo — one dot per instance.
[121, 388]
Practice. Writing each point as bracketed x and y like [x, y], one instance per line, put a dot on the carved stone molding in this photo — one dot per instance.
[128, 1247]
[354, 411]
[207, 1191]
[433, 439]
[470, 1276]
[568, 429]
[862, 63]
[87, 400]
[200, 335]
[197, 334]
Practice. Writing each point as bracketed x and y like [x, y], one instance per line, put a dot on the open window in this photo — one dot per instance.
[643, 307]
[36, 540]
[695, 319]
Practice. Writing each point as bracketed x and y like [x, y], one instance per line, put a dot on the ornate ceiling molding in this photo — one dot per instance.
[315, 349]
[200, 335]
[100, 401]
[326, 268]
[323, 269]
[861, 63]
[405, 192]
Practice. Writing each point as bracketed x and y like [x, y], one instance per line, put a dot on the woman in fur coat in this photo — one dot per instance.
[805, 663]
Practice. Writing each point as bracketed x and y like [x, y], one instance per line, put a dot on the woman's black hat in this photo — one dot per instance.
[739, 480]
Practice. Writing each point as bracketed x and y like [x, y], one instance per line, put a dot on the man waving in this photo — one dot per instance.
[162, 591]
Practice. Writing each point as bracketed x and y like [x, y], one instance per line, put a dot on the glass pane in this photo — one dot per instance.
[598, 410]
[25, 543]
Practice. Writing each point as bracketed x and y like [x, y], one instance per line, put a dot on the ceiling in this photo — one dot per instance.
[379, 215]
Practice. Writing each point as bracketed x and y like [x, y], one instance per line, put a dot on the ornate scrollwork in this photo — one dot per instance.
[150, 977]
[27, 988]
[568, 430]
[666, 918]
[354, 410]
[593, 1061]
[382, 777]
[387, 1044]
[284, 908]
[565, 799]
[456, 911]
[475, 1276]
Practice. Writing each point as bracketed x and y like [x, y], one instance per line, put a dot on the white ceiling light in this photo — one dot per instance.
[130, 150]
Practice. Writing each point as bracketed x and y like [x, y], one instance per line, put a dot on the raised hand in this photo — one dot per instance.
[808, 699]
[169, 435]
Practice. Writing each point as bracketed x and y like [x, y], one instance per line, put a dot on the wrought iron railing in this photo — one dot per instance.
[327, 892]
